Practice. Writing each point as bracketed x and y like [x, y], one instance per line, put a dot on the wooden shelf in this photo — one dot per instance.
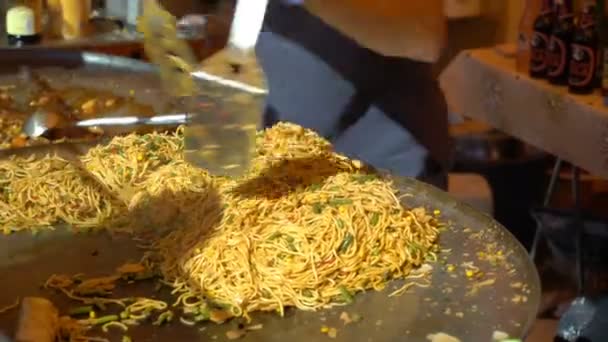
[483, 84]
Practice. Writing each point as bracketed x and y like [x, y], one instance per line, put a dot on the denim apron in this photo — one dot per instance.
[388, 112]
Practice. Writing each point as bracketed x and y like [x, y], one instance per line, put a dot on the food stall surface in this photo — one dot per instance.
[483, 280]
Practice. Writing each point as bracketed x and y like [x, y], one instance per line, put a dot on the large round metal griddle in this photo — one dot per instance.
[506, 298]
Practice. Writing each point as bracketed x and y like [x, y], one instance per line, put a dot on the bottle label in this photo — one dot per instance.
[556, 57]
[538, 49]
[582, 65]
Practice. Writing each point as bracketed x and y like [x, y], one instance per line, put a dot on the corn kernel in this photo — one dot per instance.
[437, 212]
[469, 273]
[324, 329]
[451, 268]
[92, 314]
[89, 107]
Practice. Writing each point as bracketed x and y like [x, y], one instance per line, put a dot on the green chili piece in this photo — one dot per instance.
[163, 318]
[345, 245]
[364, 178]
[340, 201]
[346, 296]
[414, 248]
[81, 310]
[104, 320]
[275, 235]
[314, 187]
[203, 315]
[375, 218]
[317, 208]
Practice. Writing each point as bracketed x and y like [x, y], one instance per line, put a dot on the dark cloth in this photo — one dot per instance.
[386, 111]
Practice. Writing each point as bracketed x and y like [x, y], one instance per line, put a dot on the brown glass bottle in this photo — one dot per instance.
[531, 11]
[559, 44]
[602, 24]
[539, 43]
[584, 52]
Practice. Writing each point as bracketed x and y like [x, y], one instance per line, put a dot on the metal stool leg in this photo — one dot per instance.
[580, 270]
[538, 235]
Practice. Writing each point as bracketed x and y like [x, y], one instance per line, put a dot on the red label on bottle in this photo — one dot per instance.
[538, 51]
[556, 57]
[582, 65]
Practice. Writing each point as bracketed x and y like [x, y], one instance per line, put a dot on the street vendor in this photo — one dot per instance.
[359, 73]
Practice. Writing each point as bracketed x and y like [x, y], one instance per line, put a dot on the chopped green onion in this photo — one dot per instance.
[275, 235]
[317, 208]
[340, 201]
[314, 187]
[163, 318]
[81, 310]
[364, 178]
[104, 319]
[346, 296]
[346, 243]
[375, 218]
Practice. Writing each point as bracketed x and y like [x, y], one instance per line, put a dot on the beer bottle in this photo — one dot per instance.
[584, 52]
[559, 43]
[524, 35]
[602, 24]
[543, 25]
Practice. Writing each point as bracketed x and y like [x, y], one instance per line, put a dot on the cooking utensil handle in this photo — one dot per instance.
[246, 27]
[160, 120]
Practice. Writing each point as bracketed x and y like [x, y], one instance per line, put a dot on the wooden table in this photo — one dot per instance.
[484, 85]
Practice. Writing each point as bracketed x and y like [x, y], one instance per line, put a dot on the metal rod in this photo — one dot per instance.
[553, 182]
[579, 225]
[538, 235]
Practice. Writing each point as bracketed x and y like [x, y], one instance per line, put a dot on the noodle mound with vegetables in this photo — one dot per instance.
[306, 227]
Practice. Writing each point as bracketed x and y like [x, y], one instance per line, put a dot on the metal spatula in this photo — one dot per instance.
[224, 98]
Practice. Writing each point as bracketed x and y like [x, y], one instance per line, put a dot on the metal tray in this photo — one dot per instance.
[448, 305]
[444, 306]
